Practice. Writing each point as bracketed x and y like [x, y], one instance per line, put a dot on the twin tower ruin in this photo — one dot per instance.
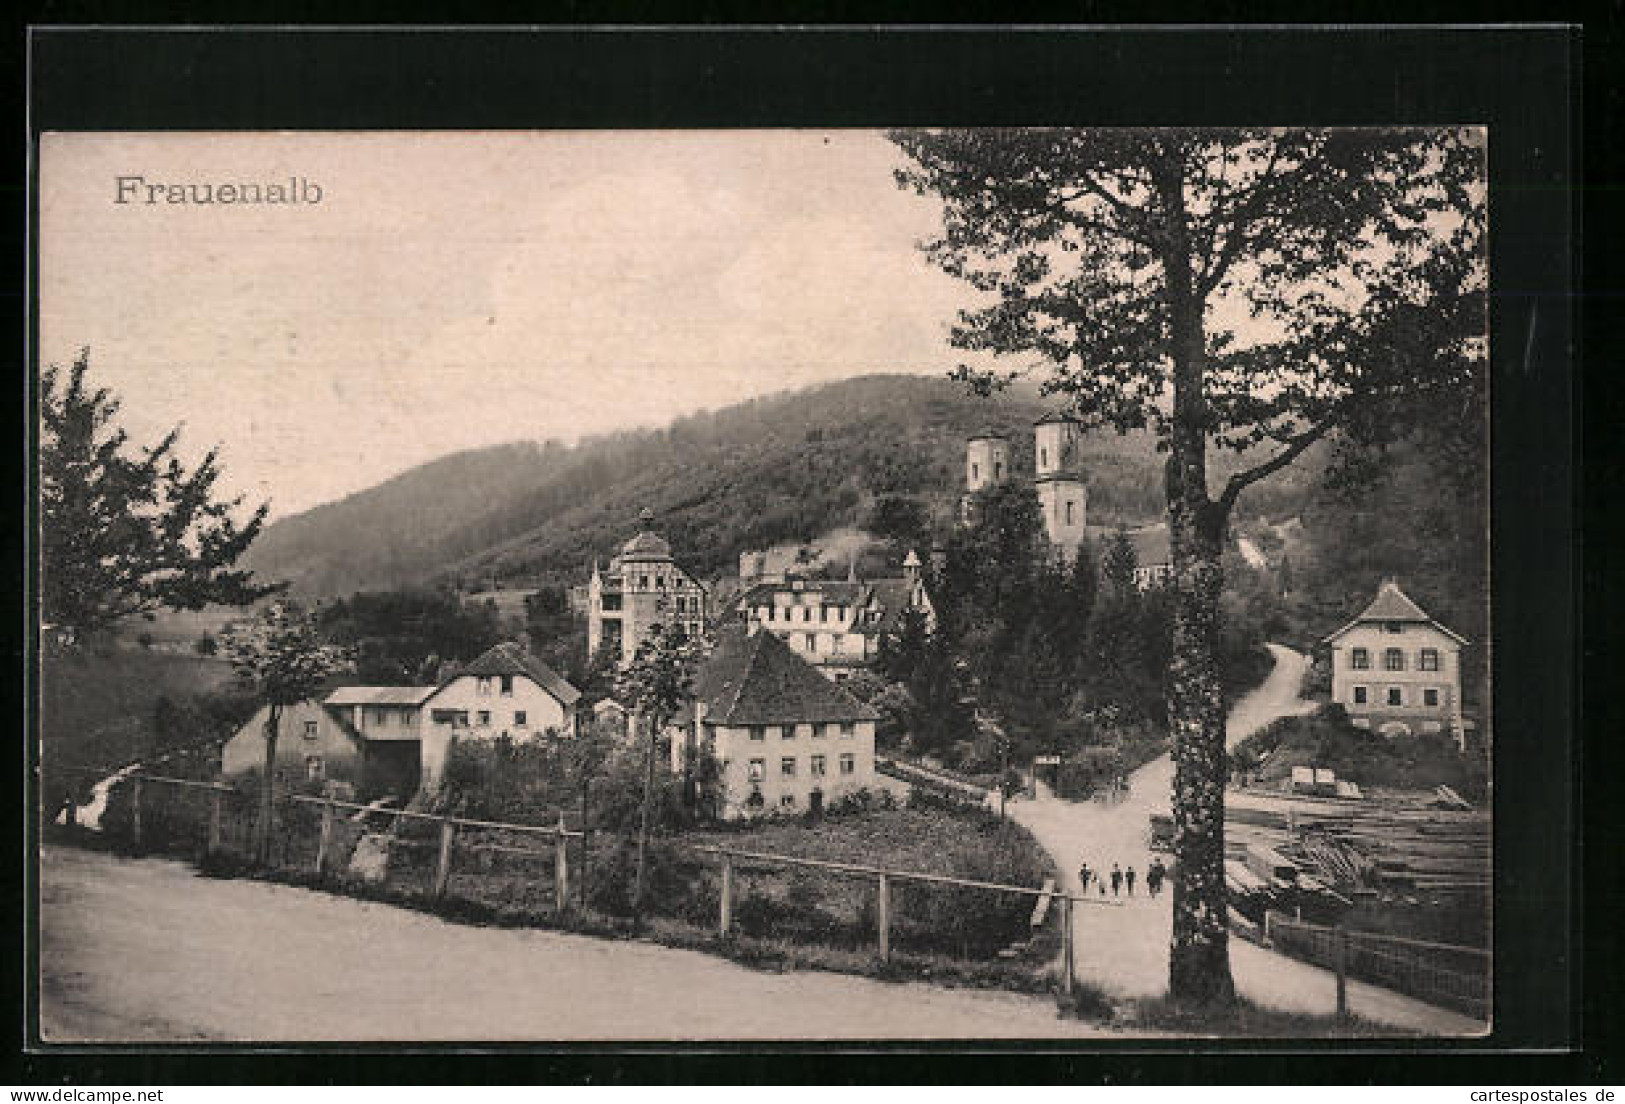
[1058, 479]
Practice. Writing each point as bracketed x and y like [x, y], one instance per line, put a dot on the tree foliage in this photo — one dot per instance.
[398, 637]
[126, 529]
[1235, 289]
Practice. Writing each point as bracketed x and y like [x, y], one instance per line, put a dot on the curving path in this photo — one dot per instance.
[1122, 944]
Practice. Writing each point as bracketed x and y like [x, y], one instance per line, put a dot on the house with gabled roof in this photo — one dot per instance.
[1396, 670]
[787, 739]
[505, 692]
[836, 625]
[329, 741]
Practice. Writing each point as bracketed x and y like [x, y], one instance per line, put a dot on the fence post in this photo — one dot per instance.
[135, 813]
[1067, 966]
[1269, 916]
[883, 917]
[1340, 959]
[213, 846]
[725, 921]
[442, 870]
[561, 869]
[326, 840]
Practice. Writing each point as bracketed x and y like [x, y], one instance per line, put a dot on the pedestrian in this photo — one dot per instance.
[1129, 877]
[1117, 879]
[1084, 874]
[1153, 876]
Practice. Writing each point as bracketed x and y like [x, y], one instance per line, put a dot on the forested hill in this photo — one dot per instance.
[783, 468]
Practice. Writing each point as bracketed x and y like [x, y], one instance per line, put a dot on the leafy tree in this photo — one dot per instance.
[1121, 560]
[128, 531]
[1250, 290]
[394, 633]
[654, 686]
[282, 659]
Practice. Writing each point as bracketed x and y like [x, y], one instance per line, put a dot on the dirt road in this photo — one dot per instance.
[1122, 942]
[146, 950]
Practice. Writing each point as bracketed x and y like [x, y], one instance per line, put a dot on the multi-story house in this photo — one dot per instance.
[1396, 670]
[836, 626]
[505, 692]
[643, 587]
[786, 738]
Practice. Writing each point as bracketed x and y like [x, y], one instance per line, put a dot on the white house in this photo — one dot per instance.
[504, 692]
[786, 738]
[836, 626]
[1397, 670]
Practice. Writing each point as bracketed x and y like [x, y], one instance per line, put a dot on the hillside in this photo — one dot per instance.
[768, 471]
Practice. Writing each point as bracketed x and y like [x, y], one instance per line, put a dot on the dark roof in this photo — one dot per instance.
[509, 659]
[831, 589]
[991, 433]
[755, 679]
[1057, 416]
[646, 546]
[894, 596]
[1152, 547]
[1392, 604]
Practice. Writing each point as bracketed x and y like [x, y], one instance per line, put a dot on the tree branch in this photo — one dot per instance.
[1295, 447]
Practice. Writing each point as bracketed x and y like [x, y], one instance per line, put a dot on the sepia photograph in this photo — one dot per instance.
[764, 585]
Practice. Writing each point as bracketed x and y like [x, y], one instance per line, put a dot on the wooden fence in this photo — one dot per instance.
[1440, 973]
[444, 842]
[884, 879]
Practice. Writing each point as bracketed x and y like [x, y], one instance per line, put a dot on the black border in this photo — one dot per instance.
[1522, 82]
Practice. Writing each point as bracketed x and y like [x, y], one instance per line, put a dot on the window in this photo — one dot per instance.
[848, 728]
[838, 643]
[484, 688]
[1043, 458]
[1359, 659]
[820, 730]
[315, 769]
[1429, 660]
[975, 473]
[1359, 695]
[507, 686]
[757, 732]
[758, 769]
[1392, 627]
[811, 643]
[849, 763]
[788, 801]
[483, 717]
[818, 766]
[310, 730]
[1393, 659]
[1071, 518]
[519, 718]
[788, 731]
[1396, 696]
[787, 766]
[1430, 697]
[998, 469]
[456, 718]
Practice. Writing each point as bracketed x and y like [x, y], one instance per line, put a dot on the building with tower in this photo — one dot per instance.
[1062, 496]
[987, 464]
[642, 587]
[1058, 478]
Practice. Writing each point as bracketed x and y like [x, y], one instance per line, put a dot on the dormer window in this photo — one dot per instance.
[507, 686]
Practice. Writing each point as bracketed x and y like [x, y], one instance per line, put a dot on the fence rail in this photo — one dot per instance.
[320, 836]
[1440, 973]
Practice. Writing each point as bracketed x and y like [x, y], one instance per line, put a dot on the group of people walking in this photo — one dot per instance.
[1118, 878]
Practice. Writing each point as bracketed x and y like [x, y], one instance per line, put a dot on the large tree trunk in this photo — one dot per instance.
[268, 784]
[1199, 954]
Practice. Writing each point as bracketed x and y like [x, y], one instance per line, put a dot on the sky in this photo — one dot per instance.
[455, 290]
